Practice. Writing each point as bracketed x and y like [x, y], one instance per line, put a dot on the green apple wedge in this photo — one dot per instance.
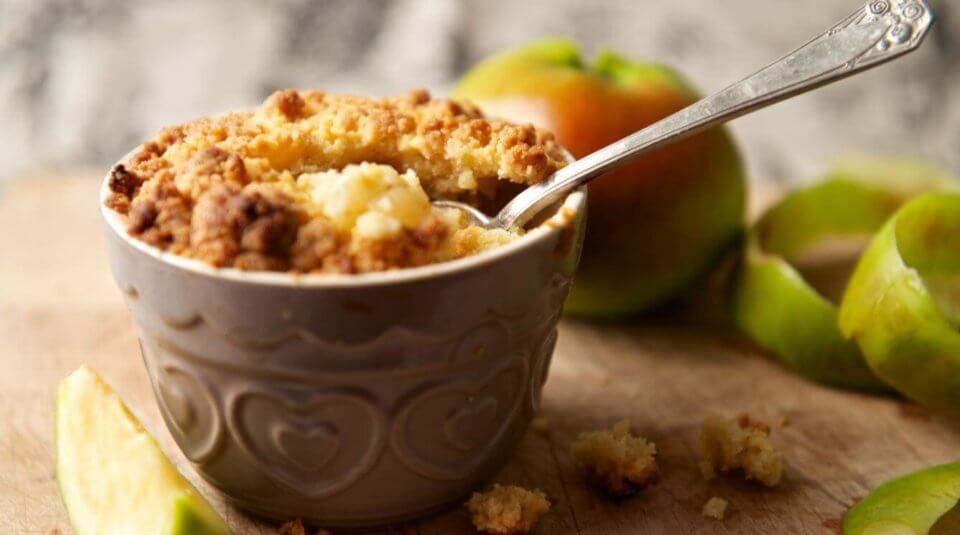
[921, 503]
[654, 227]
[781, 311]
[113, 476]
[901, 304]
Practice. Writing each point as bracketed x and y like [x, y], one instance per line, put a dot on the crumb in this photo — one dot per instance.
[295, 527]
[833, 524]
[783, 422]
[540, 424]
[741, 444]
[912, 411]
[616, 462]
[715, 508]
[507, 510]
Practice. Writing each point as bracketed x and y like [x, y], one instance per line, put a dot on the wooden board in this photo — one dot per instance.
[59, 308]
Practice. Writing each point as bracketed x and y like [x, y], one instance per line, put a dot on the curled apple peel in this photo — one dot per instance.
[783, 312]
[923, 502]
[902, 302]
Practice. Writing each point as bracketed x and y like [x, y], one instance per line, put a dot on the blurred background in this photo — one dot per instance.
[83, 81]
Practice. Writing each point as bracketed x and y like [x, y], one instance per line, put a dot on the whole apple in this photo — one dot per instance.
[654, 227]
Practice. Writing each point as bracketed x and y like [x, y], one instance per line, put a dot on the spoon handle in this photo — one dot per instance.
[882, 31]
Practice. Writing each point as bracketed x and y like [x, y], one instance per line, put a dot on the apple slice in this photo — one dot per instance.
[780, 310]
[920, 503]
[113, 476]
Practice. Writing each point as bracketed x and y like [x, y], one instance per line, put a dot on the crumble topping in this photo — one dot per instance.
[715, 508]
[507, 510]
[743, 444]
[312, 182]
[615, 461]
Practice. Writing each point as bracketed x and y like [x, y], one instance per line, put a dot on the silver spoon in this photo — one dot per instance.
[882, 31]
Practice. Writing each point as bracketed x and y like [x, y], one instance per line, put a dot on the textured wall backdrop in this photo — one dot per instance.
[81, 81]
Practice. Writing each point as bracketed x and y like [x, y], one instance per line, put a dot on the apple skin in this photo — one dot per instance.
[918, 503]
[654, 227]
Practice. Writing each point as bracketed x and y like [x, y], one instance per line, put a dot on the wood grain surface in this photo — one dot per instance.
[59, 308]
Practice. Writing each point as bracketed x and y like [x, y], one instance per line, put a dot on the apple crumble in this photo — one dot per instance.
[507, 510]
[743, 444]
[312, 182]
[615, 461]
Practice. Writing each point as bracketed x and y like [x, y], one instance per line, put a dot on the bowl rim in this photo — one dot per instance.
[570, 210]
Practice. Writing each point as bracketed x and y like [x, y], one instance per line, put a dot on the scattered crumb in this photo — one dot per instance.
[783, 422]
[540, 424]
[912, 411]
[295, 527]
[615, 461]
[833, 524]
[507, 510]
[715, 508]
[731, 444]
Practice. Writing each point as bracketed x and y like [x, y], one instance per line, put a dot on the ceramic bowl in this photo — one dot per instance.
[350, 400]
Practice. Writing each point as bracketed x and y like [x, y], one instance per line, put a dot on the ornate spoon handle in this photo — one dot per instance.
[882, 31]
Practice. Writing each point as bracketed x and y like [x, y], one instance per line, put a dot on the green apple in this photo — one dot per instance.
[901, 304]
[780, 310]
[113, 476]
[656, 226]
[922, 503]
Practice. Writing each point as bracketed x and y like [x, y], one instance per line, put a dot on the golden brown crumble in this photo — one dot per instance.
[615, 461]
[507, 510]
[715, 508]
[742, 444]
[197, 188]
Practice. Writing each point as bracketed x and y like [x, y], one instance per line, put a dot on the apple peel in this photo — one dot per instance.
[902, 304]
[919, 503]
[780, 310]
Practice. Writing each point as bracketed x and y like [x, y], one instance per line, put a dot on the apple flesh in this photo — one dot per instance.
[113, 476]
[655, 226]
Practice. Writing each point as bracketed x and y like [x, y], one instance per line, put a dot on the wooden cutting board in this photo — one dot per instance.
[59, 309]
